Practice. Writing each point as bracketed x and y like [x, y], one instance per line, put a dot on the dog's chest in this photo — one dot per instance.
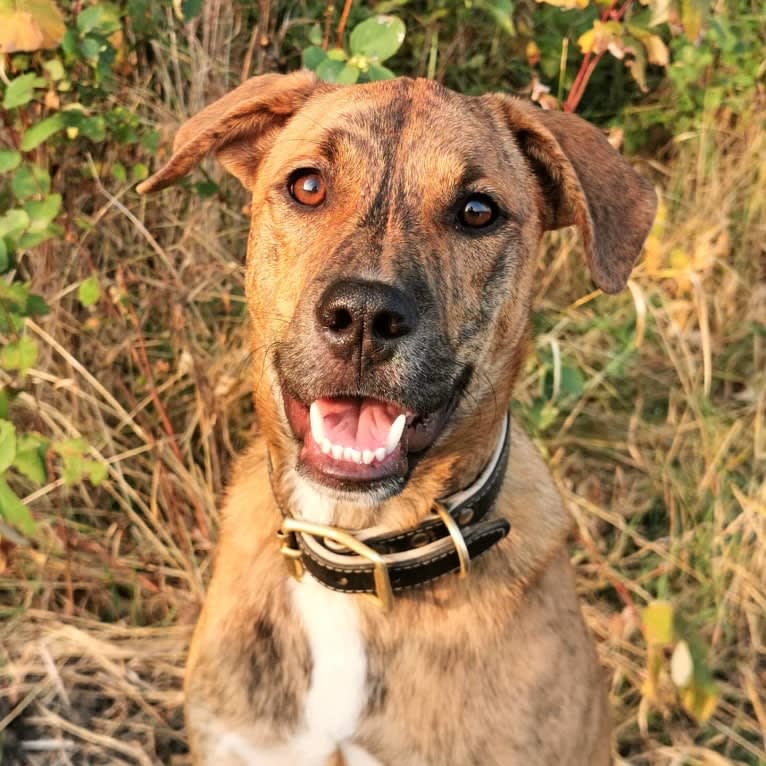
[337, 692]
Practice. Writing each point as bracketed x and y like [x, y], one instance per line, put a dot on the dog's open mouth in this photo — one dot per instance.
[352, 441]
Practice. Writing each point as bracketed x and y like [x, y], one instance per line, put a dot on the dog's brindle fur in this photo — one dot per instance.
[494, 669]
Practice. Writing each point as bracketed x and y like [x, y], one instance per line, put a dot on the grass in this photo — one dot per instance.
[649, 407]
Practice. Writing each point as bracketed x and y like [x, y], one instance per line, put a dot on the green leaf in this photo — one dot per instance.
[90, 48]
[7, 445]
[36, 306]
[376, 72]
[572, 381]
[94, 128]
[5, 401]
[329, 70]
[29, 181]
[337, 54]
[21, 90]
[30, 457]
[9, 160]
[501, 11]
[139, 172]
[5, 261]
[348, 75]
[55, 69]
[14, 511]
[205, 189]
[313, 56]
[42, 212]
[103, 19]
[190, 9]
[96, 472]
[14, 223]
[377, 38]
[119, 173]
[89, 291]
[315, 35]
[20, 355]
[42, 131]
[657, 619]
[77, 465]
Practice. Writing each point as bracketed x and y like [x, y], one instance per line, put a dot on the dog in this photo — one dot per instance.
[391, 585]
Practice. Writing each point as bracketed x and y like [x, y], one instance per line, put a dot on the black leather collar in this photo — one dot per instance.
[381, 564]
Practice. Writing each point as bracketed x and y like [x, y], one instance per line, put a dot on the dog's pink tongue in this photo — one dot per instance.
[363, 424]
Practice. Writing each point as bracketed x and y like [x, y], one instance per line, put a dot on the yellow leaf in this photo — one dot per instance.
[657, 619]
[700, 701]
[533, 53]
[566, 4]
[587, 41]
[679, 259]
[656, 50]
[693, 17]
[605, 35]
[30, 25]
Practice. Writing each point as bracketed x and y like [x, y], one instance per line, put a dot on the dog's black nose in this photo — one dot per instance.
[370, 316]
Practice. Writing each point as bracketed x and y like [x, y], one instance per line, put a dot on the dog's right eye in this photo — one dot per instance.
[307, 187]
[477, 212]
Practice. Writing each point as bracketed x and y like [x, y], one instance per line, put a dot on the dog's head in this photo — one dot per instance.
[390, 263]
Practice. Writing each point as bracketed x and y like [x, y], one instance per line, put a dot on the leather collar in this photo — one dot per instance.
[378, 564]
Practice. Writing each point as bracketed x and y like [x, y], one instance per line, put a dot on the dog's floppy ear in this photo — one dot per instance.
[585, 181]
[237, 127]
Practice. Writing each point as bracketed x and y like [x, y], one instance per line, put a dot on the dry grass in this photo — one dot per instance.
[661, 457]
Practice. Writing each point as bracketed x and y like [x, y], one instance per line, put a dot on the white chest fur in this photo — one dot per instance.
[338, 680]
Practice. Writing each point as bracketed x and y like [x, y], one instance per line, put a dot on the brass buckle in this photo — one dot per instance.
[384, 594]
[458, 540]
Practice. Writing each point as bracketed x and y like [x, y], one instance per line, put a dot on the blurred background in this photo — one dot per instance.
[124, 379]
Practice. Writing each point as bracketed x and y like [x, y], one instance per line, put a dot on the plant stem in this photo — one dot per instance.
[589, 63]
[342, 23]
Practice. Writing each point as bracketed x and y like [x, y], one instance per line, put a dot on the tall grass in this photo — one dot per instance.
[661, 456]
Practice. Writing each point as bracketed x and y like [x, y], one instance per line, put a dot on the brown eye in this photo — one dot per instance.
[477, 212]
[308, 188]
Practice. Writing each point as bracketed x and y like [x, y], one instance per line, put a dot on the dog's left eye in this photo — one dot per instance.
[307, 187]
[477, 212]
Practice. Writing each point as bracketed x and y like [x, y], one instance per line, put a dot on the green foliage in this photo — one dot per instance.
[57, 96]
[371, 42]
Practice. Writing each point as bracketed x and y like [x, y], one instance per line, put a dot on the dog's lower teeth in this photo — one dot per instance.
[337, 451]
[326, 446]
[380, 454]
[367, 456]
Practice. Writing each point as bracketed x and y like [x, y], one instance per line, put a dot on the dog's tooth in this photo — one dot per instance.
[317, 423]
[337, 451]
[395, 434]
[348, 453]
[380, 454]
[367, 456]
[326, 446]
[356, 455]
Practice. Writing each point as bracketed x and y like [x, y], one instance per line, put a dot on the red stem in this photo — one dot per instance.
[587, 66]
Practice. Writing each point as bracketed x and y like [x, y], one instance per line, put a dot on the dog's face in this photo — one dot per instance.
[391, 259]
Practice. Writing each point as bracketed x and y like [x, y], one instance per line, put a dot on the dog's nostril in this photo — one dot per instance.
[339, 320]
[389, 325]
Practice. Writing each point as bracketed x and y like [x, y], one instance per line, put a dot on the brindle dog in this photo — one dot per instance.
[390, 270]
